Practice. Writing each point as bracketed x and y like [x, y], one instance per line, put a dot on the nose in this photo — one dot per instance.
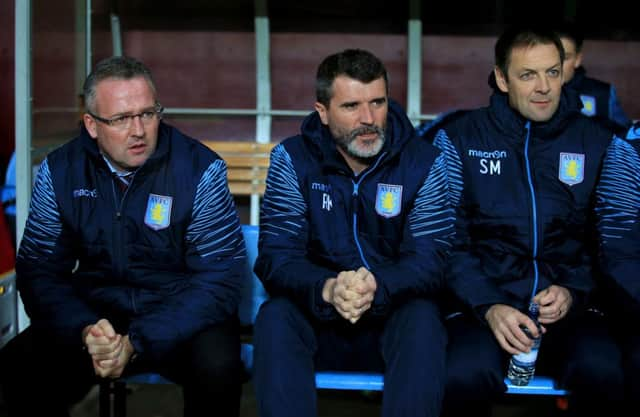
[543, 85]
[137, 127]
[366, 115]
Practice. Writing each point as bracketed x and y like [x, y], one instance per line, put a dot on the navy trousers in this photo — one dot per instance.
[40, 378]
[578, 351]
[408, 346]
[627, 332]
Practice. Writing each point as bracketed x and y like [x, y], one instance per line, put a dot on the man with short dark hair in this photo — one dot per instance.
[523, 173]
[131, 259]
[355, 230]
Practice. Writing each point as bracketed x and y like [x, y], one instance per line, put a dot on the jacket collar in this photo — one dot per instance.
[578, 77]
[513, 124]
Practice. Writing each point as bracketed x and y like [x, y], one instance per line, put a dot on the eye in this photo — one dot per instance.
[350, 106]
[379, 102]
[526, 76]
[120, 120]
[554, 73]
[147, 115]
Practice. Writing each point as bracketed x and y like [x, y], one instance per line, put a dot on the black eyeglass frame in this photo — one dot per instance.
[157, 110]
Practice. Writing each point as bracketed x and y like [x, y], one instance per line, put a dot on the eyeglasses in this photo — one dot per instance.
[124, 121]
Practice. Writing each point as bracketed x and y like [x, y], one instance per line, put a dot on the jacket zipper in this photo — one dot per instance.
[534, 210]
[117, 241]
[354, 194]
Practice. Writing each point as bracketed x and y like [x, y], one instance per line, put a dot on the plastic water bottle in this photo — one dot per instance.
[522, 366]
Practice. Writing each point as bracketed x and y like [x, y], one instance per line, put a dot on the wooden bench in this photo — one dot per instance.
[247, 166]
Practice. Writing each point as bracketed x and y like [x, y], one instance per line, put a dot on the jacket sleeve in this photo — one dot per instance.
[616, 113]
[618, 211]
[419, 269]
[44, 268]
[283, 264]
[214, 262]
[465, 276]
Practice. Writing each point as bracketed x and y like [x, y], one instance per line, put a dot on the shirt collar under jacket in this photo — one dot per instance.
[124, 176]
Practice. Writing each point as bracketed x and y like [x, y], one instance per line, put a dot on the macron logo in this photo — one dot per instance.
[487, 154]
[81, 192]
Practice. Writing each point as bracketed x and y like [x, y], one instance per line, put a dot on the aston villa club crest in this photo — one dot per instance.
[389, 200]
[571, 170]
[588, 105]
[158, 213]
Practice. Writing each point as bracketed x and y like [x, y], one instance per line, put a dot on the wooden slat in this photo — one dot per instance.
[245, 188]
[239, 147]
[239, 174]
[247, 161]
[247, 164]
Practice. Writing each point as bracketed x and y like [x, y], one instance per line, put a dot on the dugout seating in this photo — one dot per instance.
[113, 392]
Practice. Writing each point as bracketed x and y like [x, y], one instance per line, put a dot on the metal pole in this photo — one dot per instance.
[414, 62]
[116, 37]
[263, 90]
[23, 122]
[87, 44]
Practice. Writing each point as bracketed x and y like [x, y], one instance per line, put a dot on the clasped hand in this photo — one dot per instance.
[351, 293]
[110, 351]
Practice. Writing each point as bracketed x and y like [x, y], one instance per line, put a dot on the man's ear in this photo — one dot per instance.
[578, 60]
[322, 112]
[90, 125]
[501, 80]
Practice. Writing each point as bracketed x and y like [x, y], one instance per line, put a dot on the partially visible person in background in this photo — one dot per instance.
[598, 97]
[9, 197]
[618, 209]
[8, 222]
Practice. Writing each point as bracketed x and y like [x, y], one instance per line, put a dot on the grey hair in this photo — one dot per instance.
[116, 67]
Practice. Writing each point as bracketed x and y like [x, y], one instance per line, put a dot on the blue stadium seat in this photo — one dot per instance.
[113, 393]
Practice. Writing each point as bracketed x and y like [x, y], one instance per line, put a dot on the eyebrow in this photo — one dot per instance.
[130, 113]
[527, 69]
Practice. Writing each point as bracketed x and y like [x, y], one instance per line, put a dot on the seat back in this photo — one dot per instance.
[8, 307]
[253, 293]
[247, 164]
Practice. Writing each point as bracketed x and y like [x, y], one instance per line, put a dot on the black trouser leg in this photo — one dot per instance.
[32, 369]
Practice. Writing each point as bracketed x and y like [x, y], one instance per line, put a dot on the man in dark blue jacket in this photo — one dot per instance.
[130, 261]
[523, 173]
[618, 208]
[598, 98]
[355, 230]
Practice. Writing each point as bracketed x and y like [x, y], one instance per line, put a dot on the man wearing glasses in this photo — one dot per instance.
[131, 259]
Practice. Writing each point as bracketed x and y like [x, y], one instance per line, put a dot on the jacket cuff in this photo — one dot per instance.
[481, 311]
[321, 309]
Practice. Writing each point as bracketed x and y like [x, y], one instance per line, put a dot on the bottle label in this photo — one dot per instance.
[526, 358]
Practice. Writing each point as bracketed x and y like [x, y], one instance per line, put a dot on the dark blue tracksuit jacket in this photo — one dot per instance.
[598, 99]
[162, 261]
[618, 211]
[318, 218]
[524, 193]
